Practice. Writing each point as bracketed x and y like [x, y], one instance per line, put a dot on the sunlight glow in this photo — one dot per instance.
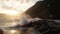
[9, 12]
[13, 31]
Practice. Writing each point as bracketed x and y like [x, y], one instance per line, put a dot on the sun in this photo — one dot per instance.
[9, 12]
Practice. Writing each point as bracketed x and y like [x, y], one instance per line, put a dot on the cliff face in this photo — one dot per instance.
[40, 9]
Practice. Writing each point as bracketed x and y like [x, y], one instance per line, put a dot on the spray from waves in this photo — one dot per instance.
[25, 19]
